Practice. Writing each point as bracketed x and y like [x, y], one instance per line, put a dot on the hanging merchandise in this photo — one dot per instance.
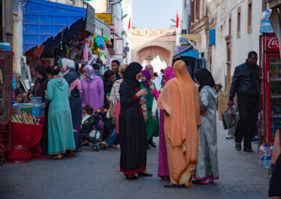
[99, 42]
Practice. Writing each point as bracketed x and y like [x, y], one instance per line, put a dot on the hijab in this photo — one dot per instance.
[130, 74]
[89, 69]
[67, 65]
[147, 75]
[204, 77]
[169, 73]
[41, 69]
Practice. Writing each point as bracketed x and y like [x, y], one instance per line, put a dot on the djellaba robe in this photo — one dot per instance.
[131, 124]
[179, 100]
[60, 128]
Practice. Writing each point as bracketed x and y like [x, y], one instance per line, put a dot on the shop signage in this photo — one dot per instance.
[106, 17]
[272, 43]
[90, 19]
[193, 37]
[101, 28]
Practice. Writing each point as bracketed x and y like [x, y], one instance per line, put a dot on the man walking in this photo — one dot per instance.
[245, 82]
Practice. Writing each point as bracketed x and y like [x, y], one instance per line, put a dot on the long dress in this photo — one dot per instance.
[131, 132]
[151, 125]
[74, 99]
[60, 128]
[207, 161]
[92, 92]
[180, 101]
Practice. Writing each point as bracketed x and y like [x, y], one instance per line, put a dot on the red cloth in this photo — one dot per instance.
[116, 113]
[25, 142]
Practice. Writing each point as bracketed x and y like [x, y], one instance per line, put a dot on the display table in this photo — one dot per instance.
[25, 141]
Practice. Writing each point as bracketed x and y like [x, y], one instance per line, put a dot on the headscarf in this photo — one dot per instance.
[67, 65]
[130, 74]
[41, 69]
[89, 69]
[180, 99]
[147, 75]
[204, 77]
[169, 73]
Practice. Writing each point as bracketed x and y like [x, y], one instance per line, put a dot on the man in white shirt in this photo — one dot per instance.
[156, 80]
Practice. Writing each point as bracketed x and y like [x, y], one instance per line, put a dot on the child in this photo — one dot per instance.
[88, 121]
[18, 96]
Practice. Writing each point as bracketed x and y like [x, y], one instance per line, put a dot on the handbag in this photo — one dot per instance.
[229, 118]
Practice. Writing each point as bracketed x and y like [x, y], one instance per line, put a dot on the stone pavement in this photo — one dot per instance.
[95, 175]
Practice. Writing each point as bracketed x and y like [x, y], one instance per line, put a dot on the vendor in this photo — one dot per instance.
[40, 85]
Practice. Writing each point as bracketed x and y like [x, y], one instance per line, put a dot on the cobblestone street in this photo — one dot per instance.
[96, 175]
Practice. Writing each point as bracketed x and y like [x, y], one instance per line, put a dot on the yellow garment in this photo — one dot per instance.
[180, 100]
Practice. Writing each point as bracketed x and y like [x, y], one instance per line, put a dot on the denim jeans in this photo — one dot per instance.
[111, 140]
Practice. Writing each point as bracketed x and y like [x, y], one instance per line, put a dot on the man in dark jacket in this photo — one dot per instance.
[245, 83]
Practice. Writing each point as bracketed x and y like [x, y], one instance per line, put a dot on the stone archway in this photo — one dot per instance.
[154, 50]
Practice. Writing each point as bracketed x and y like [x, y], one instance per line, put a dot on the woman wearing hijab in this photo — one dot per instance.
[41, 82]
[60, 128]
[39, 90]
[131, 124]
[179, 100]
[72, 77]
[163, 169]
[207, 160]
[92, 89]
[151, 124]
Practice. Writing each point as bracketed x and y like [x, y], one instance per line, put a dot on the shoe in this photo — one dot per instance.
[171, 185]
[144, 174]
[131, 177]
[238, 146]
[229, 137]
[248, 150]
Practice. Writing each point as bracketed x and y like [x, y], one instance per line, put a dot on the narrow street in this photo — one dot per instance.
[96, 175]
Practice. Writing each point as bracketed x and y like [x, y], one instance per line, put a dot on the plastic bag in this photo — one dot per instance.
[229, 118]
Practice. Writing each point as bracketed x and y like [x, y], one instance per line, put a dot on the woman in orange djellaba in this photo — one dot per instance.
[179, 100]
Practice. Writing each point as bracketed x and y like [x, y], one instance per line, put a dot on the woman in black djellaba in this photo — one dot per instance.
[131, 124]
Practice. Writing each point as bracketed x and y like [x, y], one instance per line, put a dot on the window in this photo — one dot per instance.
[249, 16]
[192, 11]
[229, 25]
[197, 9]
[238, 22]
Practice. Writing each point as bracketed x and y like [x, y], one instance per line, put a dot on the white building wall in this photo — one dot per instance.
[247, 41]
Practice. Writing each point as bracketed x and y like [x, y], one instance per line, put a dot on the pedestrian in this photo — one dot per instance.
[131, 124]
[207, 160]
[75, 101]
[92, 89]
[39, 89]
[115, 64]
[114, 108]
[218, 88]
[109, 79]
[245, 82]
[163, 169]
[40, 85]
[60, 128]
[96, 68]
[275, 181]
[179, 100]
[155, 80]
[152, 124]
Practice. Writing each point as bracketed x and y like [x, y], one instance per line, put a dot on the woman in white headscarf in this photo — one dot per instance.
[75, 101]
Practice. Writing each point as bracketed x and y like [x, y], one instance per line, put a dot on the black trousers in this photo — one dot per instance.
[275, 181]
[247, 124]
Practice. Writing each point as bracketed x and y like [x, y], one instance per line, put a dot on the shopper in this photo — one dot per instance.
[207, 160]
[115, 67]
[152, 124]
[92, 89]
[245, 83]
[75, 101]
[60, 128]
[179, 100]
[131, 125]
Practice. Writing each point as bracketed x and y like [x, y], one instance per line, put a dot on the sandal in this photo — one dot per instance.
[171, 185]
[70, 153]
[57, 157]
[131, 177]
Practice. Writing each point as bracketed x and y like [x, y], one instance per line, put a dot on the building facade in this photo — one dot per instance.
[228, 31]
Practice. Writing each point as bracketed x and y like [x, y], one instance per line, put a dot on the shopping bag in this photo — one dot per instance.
[229, 118]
